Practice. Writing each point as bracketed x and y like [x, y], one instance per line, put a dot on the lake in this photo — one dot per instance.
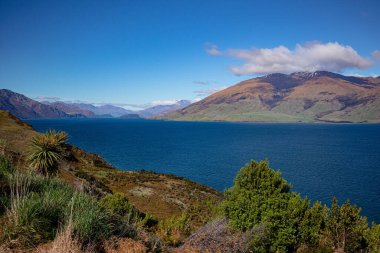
[319, 160]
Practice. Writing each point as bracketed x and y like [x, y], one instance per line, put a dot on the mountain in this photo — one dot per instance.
[24, 107]
[72, 109]
[160, 110]
[319, 96]
[130, 116]
[103, 110]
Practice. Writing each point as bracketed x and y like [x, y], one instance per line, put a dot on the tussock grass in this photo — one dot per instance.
[65, 241]
[90, 221]
[5, 167]
[39, 209]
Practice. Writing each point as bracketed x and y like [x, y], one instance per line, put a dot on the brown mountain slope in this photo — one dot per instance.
[24, 107]
[298, 97]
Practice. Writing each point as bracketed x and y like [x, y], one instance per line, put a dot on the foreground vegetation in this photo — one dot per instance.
[36, 209]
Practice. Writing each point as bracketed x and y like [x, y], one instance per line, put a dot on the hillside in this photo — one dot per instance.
[299, 97]
[160, 110]
[24, 107]
[160, 195]
[72, 109]
[104, 110]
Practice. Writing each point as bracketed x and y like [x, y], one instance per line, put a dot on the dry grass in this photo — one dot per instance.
[65, 242]
[20, 187]
[124, 245]
[215, 237]
[15, 133]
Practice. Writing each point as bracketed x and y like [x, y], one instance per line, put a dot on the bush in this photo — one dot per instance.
[282, 221]
[345, 227]
[118, 204]
[175, 229]
[373, 238]
[260, 197]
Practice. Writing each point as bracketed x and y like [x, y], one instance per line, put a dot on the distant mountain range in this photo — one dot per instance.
[89, 110]
[104, 110]
[319, 96]
[24, 107]
[160, 110]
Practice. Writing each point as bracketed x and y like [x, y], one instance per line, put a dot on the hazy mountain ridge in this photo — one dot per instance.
[24, 107]
[114, 111]
[72, 109]
[297, 97]
[160, 110]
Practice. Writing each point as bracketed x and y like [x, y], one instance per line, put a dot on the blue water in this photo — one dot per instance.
[319, 160]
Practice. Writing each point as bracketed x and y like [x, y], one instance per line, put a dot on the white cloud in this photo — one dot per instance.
[376, 54]
[196, 100]
[355, 75]
[311, 56]
[213, 50]
[208, 91]
[208, 82]
[163, 102]
[47, 98]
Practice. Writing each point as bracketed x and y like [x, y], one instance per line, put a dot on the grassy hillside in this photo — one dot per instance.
[158, 194]
[298, 97]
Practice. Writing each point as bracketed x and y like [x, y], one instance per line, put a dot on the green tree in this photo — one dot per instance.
[345, 227]
[46, 151]
[261, 198]
[311, 224]
[373, 238]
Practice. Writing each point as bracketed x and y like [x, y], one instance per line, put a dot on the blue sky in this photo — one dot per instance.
[136, 52]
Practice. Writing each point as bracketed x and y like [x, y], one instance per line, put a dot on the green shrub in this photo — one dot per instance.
[118, 204]
[261, 198]
[373, 238]
[282, 221]
[345, 227]
[174, 229]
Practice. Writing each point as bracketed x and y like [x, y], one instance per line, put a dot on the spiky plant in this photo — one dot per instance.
[46, 151]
